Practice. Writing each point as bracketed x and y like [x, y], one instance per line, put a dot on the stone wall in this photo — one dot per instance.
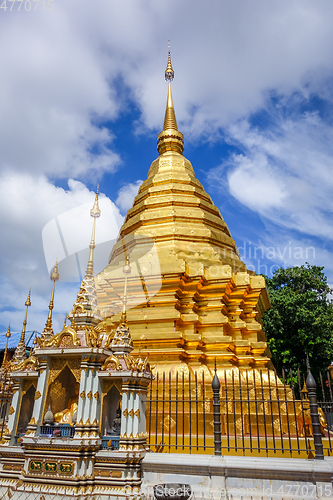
[236, 478]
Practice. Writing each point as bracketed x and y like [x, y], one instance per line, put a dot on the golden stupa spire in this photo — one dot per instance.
[27, 304]
[5, 353]
[126, 271]
[170, 139]
[169, 72]
[170, 121]
[48, 325]
[85, 308]
[20, 351]
[122, 342]
[94, 212]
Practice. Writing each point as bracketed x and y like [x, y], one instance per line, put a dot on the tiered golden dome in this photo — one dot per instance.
[207, 303]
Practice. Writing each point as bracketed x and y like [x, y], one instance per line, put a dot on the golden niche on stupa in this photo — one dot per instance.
[191, 299]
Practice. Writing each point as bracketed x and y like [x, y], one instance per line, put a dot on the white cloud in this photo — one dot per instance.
[285, 172]
[127, 194]
[253, 182]
[66, 238]
[53, 92]
[59, 69]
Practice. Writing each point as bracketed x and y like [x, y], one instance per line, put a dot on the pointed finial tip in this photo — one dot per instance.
[216, 382]
[8, 331]
[127, 267]
[28, 302]
[54, 276]
[169, 72]
[95, 211]
[170, 139]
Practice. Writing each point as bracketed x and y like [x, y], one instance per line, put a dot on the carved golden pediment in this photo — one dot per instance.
[66, 338]
[111, 363]
[140, 365]
[29, 364]
[92, 336]
[78, 309]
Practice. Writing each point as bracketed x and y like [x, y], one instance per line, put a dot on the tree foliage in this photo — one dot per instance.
[300, 320]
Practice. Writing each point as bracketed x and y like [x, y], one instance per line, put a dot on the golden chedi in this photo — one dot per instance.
[191, 299]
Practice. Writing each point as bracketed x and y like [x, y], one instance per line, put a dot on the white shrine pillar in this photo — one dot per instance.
[14, 412]
[95, 401]
[133, 418]
[40, 398]
[82, 398]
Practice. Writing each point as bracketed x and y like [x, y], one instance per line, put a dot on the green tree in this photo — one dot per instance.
[300, 320]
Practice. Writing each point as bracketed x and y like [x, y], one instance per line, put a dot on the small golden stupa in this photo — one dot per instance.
[192, 300]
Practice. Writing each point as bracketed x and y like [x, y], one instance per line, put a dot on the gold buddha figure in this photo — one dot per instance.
[66, 416]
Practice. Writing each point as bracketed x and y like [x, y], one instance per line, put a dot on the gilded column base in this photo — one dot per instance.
[133, 443]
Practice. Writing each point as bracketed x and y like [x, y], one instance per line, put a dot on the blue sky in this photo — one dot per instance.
[82, 99]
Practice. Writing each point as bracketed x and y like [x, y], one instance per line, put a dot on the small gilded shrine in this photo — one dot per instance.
[77, 408]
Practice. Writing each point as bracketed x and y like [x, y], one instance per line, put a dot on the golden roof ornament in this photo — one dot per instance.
[122, 342]
[169, 72]
[8, 334]
[85, 308]
[48, 330]
[170, 139]
[20, 351]
[126, 271]
[84, 316]
[304, 392]
[54, 276]
[94, 212]
[27, 304]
